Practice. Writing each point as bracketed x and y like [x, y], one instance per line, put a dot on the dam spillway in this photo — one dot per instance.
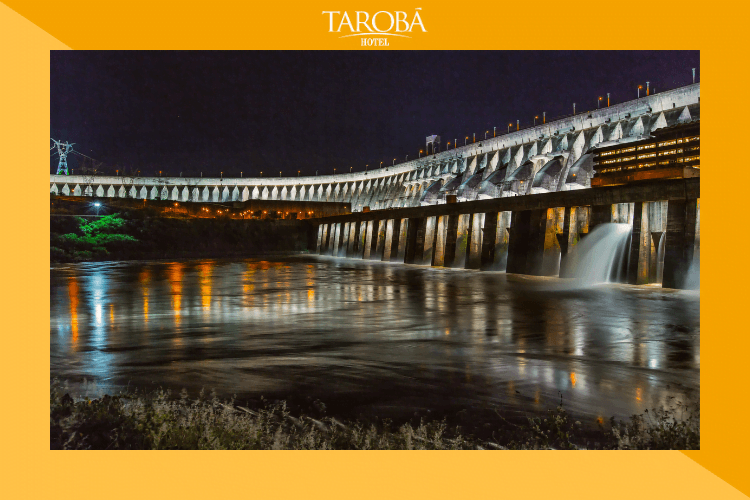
[530, 234]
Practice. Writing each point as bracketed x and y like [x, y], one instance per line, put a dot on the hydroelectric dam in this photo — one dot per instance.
[520, 201]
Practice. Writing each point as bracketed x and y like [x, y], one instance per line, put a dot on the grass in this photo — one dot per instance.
[157, 420]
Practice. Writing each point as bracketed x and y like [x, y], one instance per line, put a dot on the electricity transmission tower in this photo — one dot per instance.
[63, 149]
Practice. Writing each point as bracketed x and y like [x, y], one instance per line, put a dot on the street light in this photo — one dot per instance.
[449, 145]
[598, 102]
[639, 91]
[350, 169]
[466, 140]
[485, 134]
[279, 173]
[381, 164]
[394, 162]
[366, 167]
[535, 119]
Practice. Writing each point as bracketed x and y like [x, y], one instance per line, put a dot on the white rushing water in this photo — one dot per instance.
[600, 256]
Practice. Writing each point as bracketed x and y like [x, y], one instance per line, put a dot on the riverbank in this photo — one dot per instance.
[132, 235]
[156, 420]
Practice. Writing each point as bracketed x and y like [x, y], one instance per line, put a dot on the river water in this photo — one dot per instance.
[374, 337]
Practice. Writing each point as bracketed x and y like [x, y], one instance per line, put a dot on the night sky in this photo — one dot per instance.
[212, 112]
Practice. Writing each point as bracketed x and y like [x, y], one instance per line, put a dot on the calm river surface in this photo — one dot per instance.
[373, 337]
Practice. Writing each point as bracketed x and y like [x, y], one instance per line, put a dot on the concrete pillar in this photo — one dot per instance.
[400, 249]
[336, 240]
[489, 234]
[526, 243]
[440, 240]
[501, 240]
[369, 233]
[638, 256]
[680, 243]
[564, 236]
[356, 239]
[320, 238]
[430, 237]
[344, 245]
[474, 250]
[388, 243]
[537, 238]
[414, 251]
[552, 248]
[324, 241]
[461, 243]
[380, 241]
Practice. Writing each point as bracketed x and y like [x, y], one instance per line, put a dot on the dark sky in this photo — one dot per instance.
[288, 111]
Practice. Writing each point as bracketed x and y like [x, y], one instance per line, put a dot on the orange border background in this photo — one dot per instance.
[29, 30]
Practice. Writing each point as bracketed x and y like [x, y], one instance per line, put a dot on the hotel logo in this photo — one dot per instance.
[374, 30]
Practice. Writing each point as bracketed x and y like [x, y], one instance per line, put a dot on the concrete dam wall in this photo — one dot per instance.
[549, 157]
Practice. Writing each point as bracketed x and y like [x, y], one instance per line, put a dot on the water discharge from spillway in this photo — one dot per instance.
[601, 256]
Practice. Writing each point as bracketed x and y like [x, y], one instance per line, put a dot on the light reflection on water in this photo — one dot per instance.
[373, 334]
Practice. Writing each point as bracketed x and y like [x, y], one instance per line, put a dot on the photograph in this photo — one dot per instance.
[374, 249]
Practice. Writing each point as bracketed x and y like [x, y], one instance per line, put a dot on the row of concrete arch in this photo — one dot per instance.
[563, 161]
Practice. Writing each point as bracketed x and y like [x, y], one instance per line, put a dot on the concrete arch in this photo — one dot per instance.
[88, 191]
[122, 193]
[111, 192]
[256, 193]
[616, 133]
[215, 194]
[144, 192]
[175, 194]
[245, 194]
[53, 189]
[235, 194]
[302, 192]
[293, 193]
[264, 194]
[638, 128]
[206, 195]
[99, 191]
[283, 194]
[275, 193]
[66, 190]
[225, 194]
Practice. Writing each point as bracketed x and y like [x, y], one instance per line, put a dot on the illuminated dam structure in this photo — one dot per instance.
[549, 157]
